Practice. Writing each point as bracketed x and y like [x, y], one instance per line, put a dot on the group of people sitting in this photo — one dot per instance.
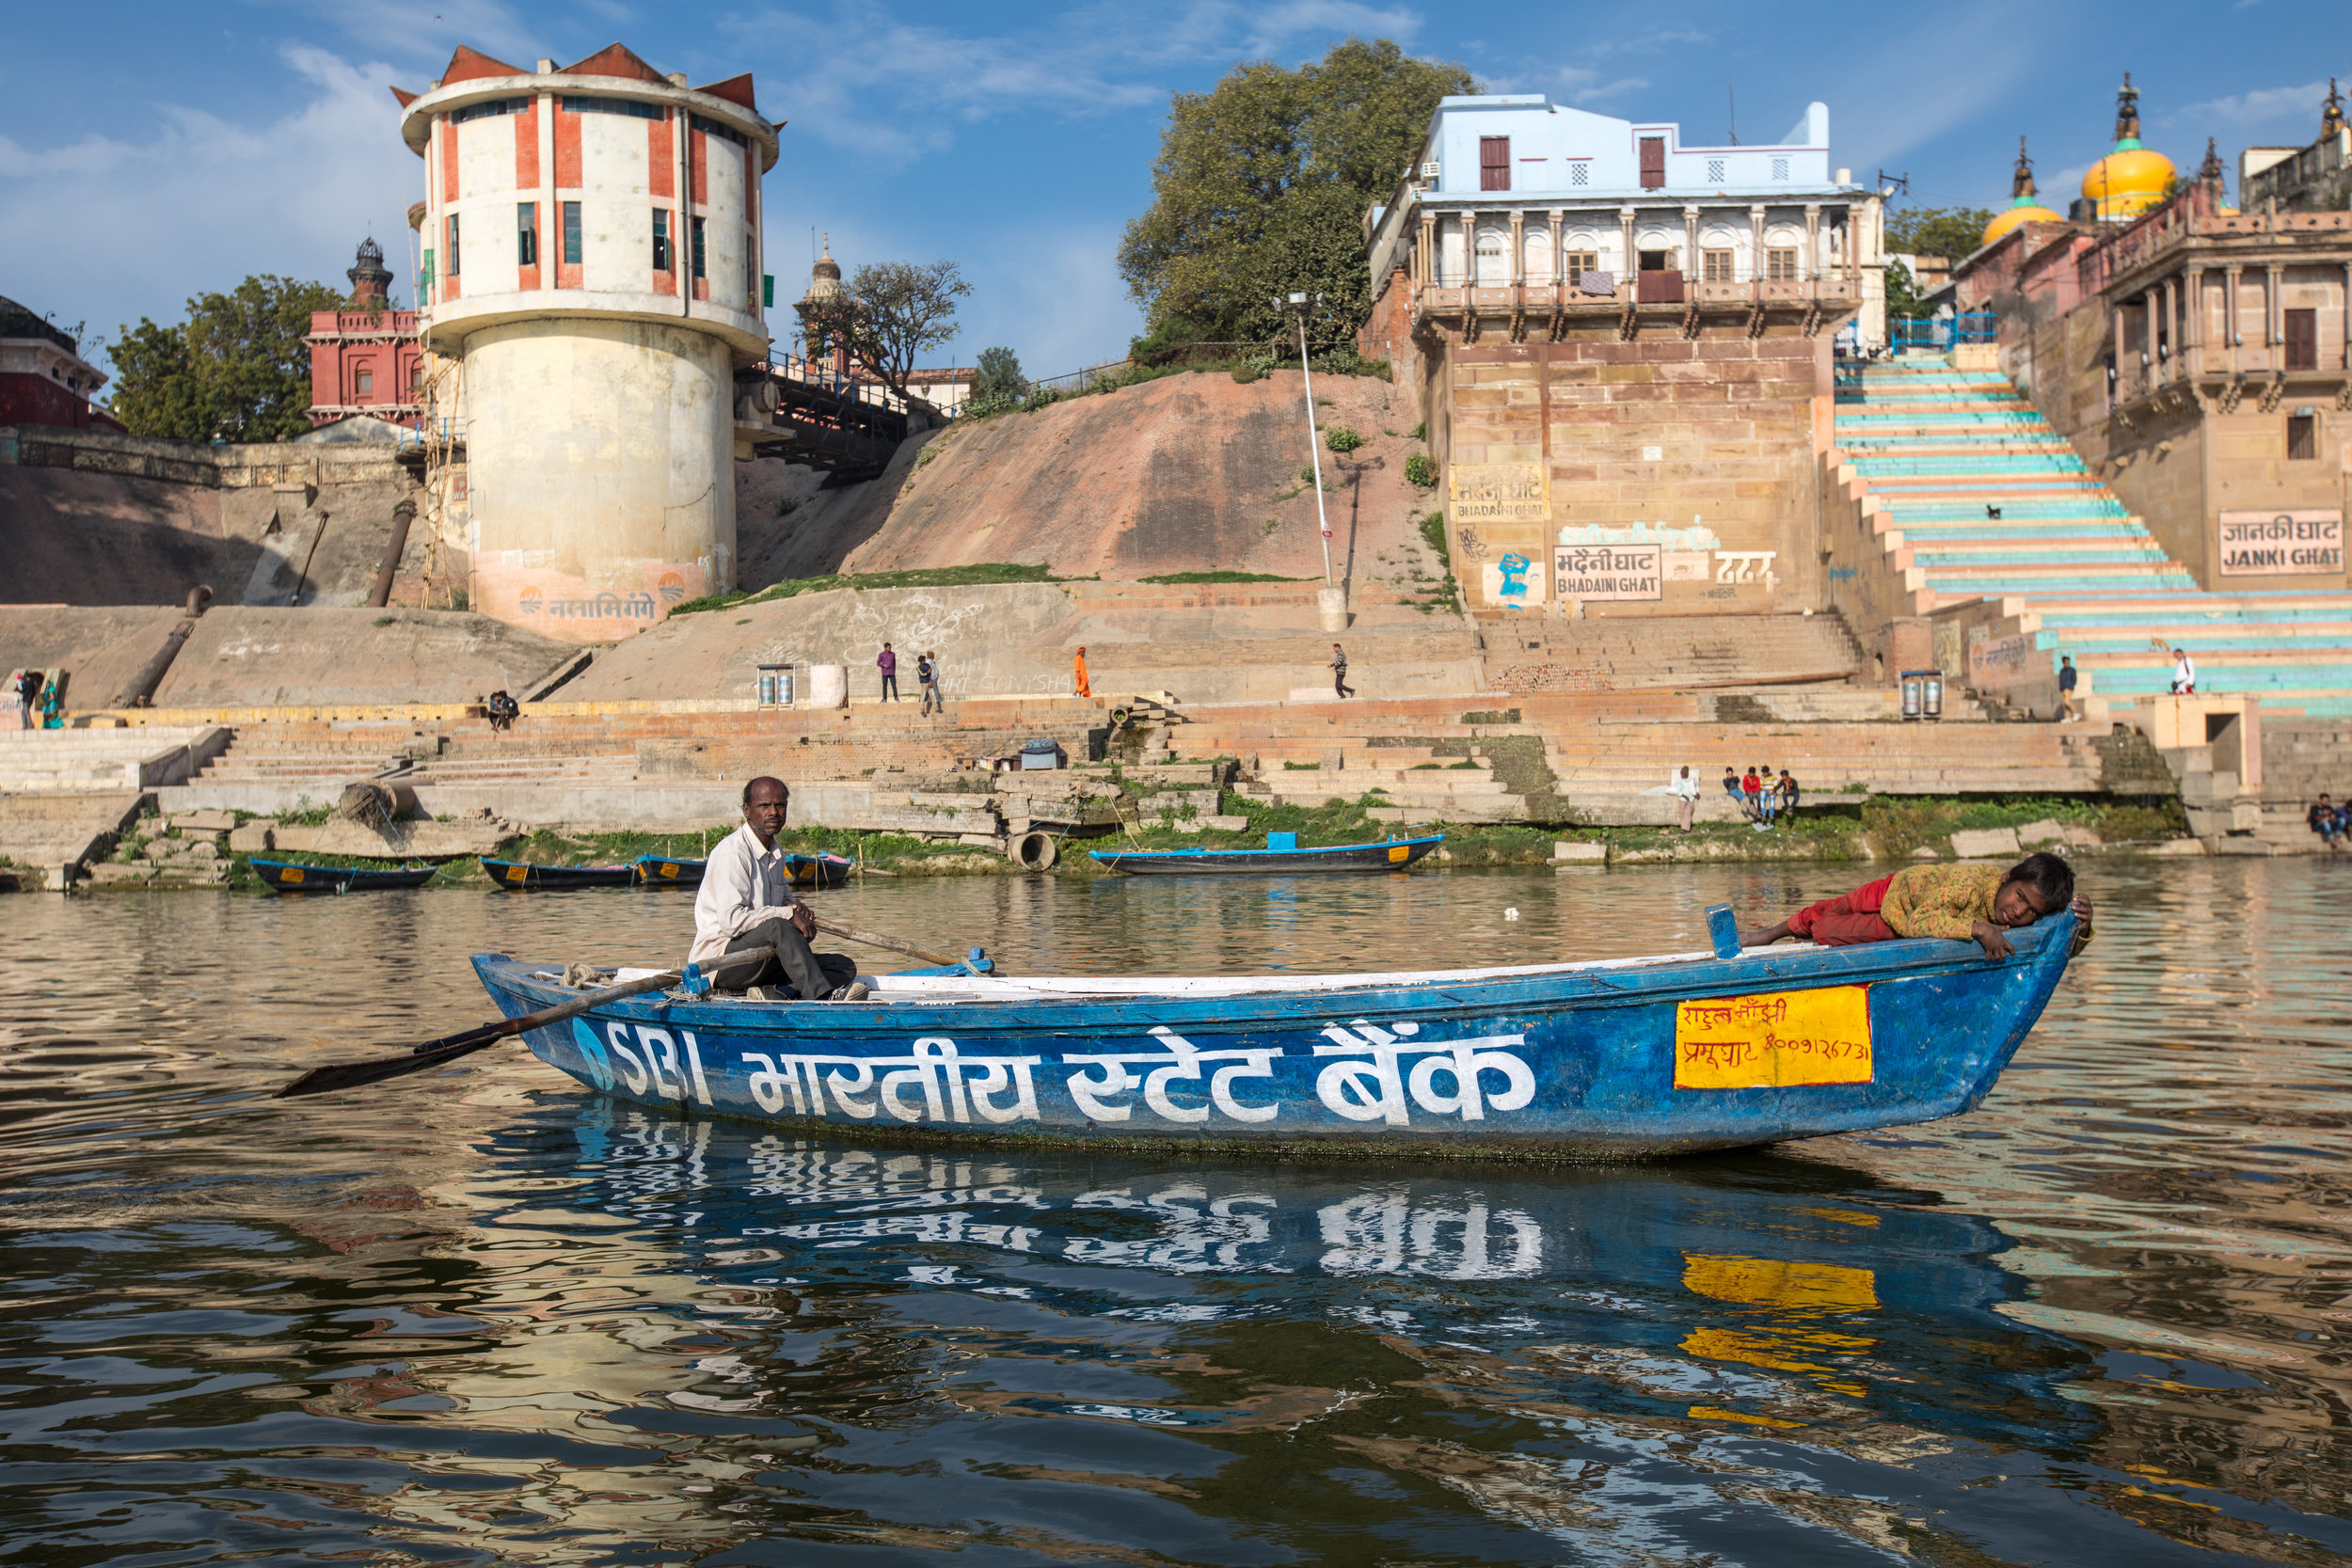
[501, 710]
[1761, 797]
[2331, 822]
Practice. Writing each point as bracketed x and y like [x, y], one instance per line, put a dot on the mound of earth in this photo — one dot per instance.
[1188, 473]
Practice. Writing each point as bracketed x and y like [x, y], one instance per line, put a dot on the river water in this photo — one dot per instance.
[485, 1316]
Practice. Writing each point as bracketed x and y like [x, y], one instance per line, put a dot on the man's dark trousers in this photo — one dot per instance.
[890, 687]
[815, 976]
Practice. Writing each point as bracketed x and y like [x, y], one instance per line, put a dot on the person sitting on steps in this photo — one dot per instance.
[502, 710]
[1962, 903]
[746, 903]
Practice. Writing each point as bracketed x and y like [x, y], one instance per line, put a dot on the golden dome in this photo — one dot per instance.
[2128, 180]
[2032, 212]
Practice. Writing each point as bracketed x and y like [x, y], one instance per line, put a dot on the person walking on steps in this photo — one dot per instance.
[2068, 675]
[2184, 674]
[745, 903]
[1339, 671]
[1081, 685]
[1685, 790]
[887, 662]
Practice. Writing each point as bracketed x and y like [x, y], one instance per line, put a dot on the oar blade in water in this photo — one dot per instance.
[352, 1075]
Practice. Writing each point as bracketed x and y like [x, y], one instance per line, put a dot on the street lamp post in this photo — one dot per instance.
[1297, 305]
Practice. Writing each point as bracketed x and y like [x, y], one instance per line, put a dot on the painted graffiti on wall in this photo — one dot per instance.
[2282, 544]
[1998, 661]
[514, 587]
[1513, 581]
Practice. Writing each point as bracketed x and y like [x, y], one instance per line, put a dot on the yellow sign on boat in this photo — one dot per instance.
[1398, 851]
[517, 873]
[291, 874]
[1774, 1039]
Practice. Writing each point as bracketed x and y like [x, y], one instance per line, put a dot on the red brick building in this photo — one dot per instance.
[366, 359]
[43, 377]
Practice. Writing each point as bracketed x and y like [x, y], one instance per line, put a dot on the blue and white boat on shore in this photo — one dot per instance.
[1613, 1059]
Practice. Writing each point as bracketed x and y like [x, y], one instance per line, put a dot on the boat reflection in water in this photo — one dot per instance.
[1063, 1353]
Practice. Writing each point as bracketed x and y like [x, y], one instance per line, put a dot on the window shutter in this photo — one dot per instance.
[1653, 163]
[2302, 340]
[1494, 162]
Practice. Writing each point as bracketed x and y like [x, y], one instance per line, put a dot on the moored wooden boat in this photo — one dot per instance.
[823, 869]
[526, 877]
[1611, 1059]
[289, 877]
[1283, 856]
[661, 871]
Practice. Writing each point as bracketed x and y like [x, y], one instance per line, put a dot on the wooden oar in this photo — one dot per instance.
[432, 1053]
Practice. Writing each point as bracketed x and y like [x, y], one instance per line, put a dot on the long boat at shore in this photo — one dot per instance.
[289, 877]
[823, 869]
[529, 877]
[1281, 856]
[1609, 1059]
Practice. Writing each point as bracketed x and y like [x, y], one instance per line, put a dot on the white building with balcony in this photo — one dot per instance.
[1520, 211]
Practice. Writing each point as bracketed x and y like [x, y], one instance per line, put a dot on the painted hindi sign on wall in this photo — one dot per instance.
[1499, 492]
[1609, 571]
[2282, 544]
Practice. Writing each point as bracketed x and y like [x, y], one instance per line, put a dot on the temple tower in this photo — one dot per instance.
[591, 258]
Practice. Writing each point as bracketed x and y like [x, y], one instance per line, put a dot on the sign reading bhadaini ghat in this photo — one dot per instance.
[1499, 492]
[2282, 544]
[1607, 571]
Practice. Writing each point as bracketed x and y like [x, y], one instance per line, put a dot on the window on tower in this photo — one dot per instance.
[698, 248]
[571, 233]
[365, 383]
[661, 240]
[527, 234]
[453, 245]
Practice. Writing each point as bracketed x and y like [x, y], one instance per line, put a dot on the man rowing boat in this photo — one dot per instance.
[1964, 903]
[746, 902]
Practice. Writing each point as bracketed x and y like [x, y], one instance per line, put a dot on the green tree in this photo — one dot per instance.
[998, 375]
[1948, 232]
[1260, 187]
[236, 369]
[888, 314]
[1902, 294]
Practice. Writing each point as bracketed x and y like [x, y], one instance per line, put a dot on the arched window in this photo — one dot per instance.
[1535, 254]
[1494, 257]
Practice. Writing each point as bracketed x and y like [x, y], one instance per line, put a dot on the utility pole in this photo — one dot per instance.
[1297, 305]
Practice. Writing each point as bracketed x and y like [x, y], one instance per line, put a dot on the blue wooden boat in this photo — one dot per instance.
[823, 869]
[662, 871]
[1610, 1059]
[527, 877]
[288, 877]
[1281, 856]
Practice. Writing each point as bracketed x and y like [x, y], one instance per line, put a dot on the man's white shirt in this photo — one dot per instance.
[743, 884]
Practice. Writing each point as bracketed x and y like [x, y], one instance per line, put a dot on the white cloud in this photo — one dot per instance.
[2293, 108]
[1585, 87]
[862, 78]
[108, 231]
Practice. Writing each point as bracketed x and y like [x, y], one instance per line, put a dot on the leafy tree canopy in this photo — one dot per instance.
[998, 375]
[236, 369]
[1947, 232]
[889, 314]
[1260, 187]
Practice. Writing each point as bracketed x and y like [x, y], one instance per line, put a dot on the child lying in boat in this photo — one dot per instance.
[1960, 902]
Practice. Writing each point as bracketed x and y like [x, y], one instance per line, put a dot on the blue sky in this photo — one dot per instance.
[150, 152]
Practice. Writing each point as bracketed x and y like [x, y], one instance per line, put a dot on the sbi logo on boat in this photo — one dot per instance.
[1362, 1072]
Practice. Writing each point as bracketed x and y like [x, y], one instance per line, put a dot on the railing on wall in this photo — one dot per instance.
[1939, 334]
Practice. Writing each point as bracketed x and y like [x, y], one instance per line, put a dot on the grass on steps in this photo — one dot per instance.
[921, 577]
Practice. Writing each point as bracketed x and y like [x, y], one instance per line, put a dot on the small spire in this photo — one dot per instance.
[2331, 112]
[2021, 185]
[2127, 110]
[2211, 168]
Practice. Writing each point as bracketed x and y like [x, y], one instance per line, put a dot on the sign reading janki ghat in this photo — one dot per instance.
[2282, 544]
